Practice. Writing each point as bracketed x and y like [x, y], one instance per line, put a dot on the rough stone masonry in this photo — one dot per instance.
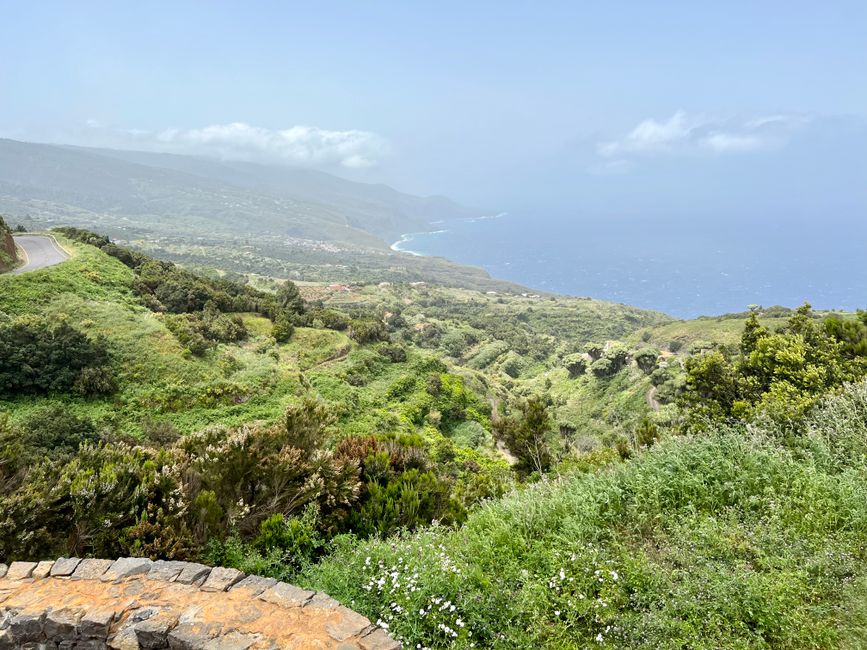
[136, 603]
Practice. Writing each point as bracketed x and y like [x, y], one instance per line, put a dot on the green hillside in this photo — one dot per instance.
[471, 468]
[243, 217]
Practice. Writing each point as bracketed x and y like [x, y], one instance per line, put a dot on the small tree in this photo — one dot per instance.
[594, 350]
[283, 329]
[576, 364]
[646, 359]
[529, 436]
[289, 299]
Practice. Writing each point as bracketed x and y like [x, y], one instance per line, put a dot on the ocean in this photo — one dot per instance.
[680, 268]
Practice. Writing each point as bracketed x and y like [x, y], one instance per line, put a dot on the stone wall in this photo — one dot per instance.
[135, 603]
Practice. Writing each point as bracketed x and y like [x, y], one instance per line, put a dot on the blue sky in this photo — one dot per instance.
[499, 104]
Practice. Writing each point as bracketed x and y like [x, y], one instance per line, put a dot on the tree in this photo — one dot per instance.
[646, 359]
[289, 299]
[576, 364]
[529, 436]
[283, 329]
[594, 350]
[782, 374]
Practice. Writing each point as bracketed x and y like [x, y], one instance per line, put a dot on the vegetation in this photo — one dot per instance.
[469, 469]
[8, 256]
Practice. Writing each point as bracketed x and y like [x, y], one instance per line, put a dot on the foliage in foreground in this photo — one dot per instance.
[779, 374]
[721, 541]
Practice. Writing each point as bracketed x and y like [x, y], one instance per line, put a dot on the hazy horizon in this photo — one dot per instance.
[563, 108]
[647, 130]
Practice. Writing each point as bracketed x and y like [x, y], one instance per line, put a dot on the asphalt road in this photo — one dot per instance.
[40, 251]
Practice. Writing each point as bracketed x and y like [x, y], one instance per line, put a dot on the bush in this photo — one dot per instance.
[394, 353]
[576, 364]
[58, 430]
[283, 329]
[646, 359]
[512, 365]
[201, 331]
[38, 356]
[367, 330]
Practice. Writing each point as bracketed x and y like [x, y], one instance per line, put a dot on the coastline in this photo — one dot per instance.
[404, 238]
[407, 237]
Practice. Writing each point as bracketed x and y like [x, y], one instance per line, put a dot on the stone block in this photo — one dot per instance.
[124, 638]
[27, 626]
[378, 640]
[61, 624]
[193, 573]
[82, 644]
[347, 625]
[153, 633]
[286, 595]
[220, 579]
[64, 567]
[20, 570]
[96, 623]
[126, 567]
[3, 569]
[192, 636]
[166, 570]
[322, 601]
[253, 585]
[42, 569]
[91, 569]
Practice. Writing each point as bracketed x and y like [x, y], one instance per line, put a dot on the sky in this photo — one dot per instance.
[630, 107]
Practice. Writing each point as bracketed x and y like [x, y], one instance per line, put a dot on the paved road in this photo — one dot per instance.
[40, 251]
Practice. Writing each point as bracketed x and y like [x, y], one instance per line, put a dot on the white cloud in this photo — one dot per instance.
[307, 146]
[732, 142]
[300, 145]
[682, 134]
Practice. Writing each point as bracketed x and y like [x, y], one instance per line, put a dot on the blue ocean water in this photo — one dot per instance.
[680, 268]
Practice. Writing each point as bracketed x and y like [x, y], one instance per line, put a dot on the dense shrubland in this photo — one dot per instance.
[470, 470]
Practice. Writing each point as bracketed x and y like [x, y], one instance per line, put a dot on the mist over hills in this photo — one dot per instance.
[166, 192]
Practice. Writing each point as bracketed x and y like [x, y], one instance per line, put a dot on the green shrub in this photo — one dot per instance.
[576, 364]
[646, 359]
[283, 329]
[39, 356]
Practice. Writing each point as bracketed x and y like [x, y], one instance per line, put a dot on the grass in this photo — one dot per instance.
[726, 541]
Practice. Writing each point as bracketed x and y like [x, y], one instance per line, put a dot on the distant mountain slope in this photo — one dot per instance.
[375, 208]
[185, 195]
[249, 218]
